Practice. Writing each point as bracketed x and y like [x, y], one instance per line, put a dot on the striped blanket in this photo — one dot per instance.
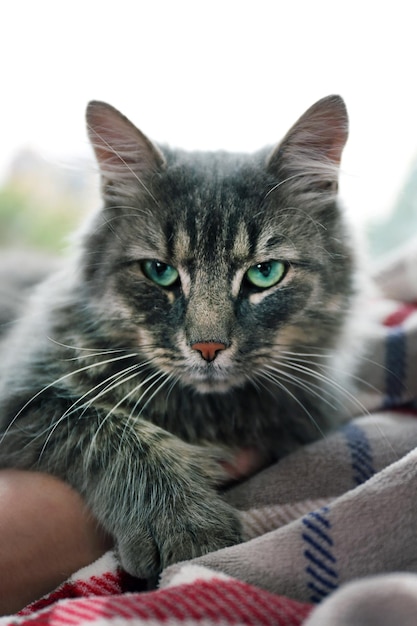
[329, 530]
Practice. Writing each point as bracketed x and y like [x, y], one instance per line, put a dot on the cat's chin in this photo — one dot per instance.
[210, 387]
[214, 385]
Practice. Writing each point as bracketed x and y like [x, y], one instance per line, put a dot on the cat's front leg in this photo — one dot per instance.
[156, 495]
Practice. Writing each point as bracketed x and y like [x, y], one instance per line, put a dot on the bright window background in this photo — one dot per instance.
[222, 74]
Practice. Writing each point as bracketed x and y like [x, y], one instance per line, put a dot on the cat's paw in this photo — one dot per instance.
[186, 530]
[185, 518]
[206, 526]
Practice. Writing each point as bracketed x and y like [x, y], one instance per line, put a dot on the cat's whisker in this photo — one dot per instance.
[132, 417]
[129, 207]
[363, 410]
[313, 389]
[334, 368]
[252, 381]
[174, 381]
[329, 353]
[165, 379]
[93, 351]
[158, 375]
[261, 386]
[115, 218]
[283, 182]
[118, 379]
[108, 221]
[326, 353]
[121, 379]
[122, 401]
[329, 381]
[270, 377]
[60, 380]
[92, 355]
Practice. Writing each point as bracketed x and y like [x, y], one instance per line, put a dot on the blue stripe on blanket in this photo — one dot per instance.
[395, 367]
[322, 576]
[360, 452]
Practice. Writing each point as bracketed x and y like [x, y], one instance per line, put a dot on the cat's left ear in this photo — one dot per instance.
[313, 146]
[123, 152]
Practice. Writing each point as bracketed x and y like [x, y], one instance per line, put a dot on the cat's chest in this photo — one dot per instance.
[237, 419]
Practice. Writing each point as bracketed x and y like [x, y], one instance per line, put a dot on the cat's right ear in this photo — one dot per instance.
[123, 153]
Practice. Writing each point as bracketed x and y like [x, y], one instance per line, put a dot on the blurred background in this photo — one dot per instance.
[223, 74]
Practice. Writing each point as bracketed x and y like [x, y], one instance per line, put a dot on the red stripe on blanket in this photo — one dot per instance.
[227, 601]
[400, 315]
[106, 584]
[103, 585]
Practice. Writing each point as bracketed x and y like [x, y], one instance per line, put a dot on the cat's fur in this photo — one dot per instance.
[103, 381]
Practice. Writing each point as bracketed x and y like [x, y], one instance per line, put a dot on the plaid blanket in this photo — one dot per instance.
[329, 530]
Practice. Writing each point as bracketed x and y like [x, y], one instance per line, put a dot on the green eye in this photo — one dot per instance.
[266, 275]
[160, 273]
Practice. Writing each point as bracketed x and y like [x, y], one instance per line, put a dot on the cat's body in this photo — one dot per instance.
[204, 314]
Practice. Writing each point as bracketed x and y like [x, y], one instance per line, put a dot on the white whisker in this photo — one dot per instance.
[333, 368]
[282, 182]
[273, 379]
[118, 378]
[311, 388]
[117, 405]
[132, 417]
[328, 381]
[163, 376]
[121, 379]
[59, 380]
[94, 351]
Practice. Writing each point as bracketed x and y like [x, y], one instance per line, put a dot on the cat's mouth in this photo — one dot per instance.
[212, 378]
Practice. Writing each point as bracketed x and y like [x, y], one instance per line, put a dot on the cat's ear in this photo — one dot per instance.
[123, 152]
[313, 146]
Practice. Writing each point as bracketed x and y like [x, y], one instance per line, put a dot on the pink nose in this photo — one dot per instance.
[209, 349]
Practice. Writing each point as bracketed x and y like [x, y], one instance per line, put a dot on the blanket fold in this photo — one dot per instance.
[335, 537]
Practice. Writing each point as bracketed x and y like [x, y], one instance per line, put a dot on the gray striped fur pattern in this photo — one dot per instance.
[201, 315]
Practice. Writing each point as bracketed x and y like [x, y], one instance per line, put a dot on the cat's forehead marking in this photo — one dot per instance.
[185, 280]
[241, 245]
[237, 282]
[182, 244]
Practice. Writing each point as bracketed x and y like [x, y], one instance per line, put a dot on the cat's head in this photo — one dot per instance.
[216, 266]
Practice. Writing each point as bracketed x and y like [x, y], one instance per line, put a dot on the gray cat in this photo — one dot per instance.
[200, 319]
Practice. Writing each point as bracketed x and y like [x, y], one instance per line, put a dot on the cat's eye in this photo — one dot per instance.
[160, 273]
[266, 275]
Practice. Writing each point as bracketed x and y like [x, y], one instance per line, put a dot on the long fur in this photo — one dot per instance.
[100, 380]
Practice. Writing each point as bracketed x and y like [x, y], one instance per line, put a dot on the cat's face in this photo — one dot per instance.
[217, 267]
